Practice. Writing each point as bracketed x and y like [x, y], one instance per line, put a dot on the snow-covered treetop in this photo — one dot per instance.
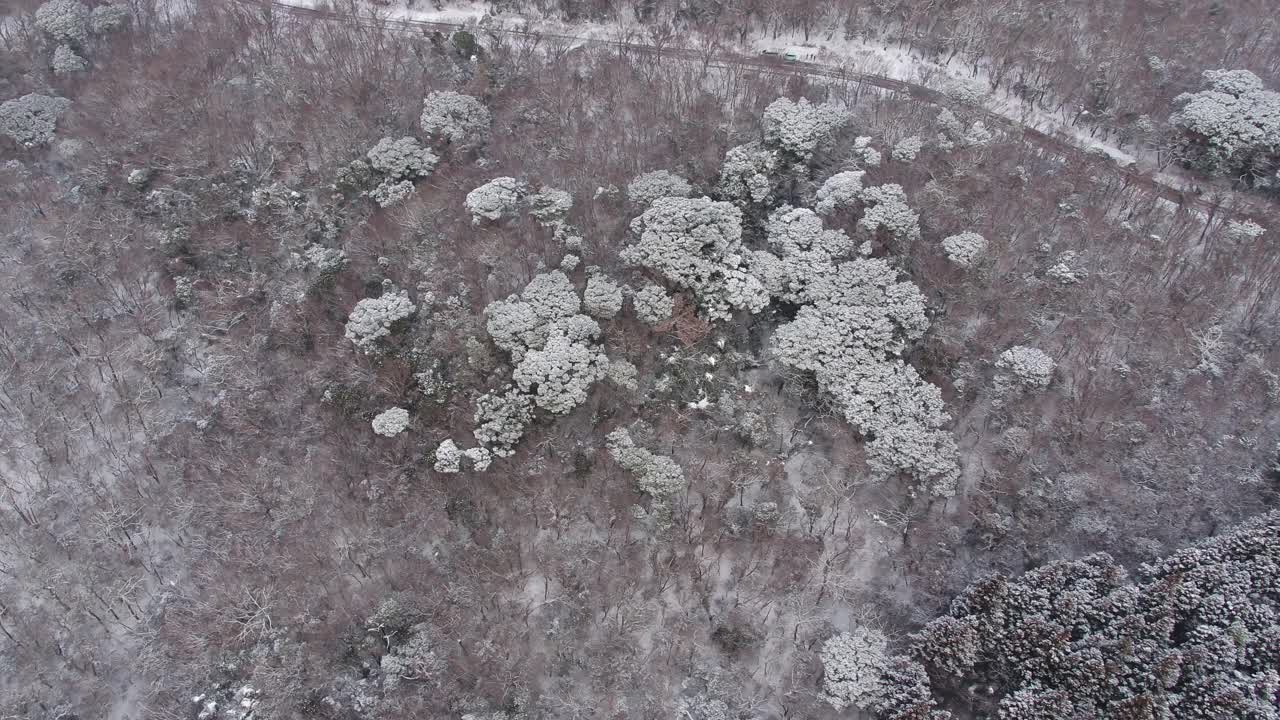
[696, 243]
[801, 128]
[840, 190]
[501, 418]
[459, 119]
[853, 666]
[550, 204]
[657, 184]
[907, 148]
[391, 422]
[746, 175]
[67, 62]
[603, 297]
[965, 248]
[372, 318]
[495, 199]
[31, 119]
[402, 159]
[1232, 82]
[1032, 367]
[109, 18]
[66, 21]
[856, 318]
[559, 374]
[806, 254]
[652, 304]
[793, 231]
[888, 209]
[1235, 118]
[521, 322]
[556, 359]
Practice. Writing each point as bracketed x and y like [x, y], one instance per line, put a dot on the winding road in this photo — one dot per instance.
[1219, 203]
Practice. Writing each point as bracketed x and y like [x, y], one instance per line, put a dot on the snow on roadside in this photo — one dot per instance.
[854, 54]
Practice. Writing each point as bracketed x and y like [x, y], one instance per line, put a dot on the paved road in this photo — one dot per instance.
[1227, 203]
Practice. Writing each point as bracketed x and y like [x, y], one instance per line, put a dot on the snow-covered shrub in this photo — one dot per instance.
[840, 190]
[656, 475]
[657, 184]
[389, 193]
[696, 244]
[327, 262]
[497, 198]
[233, 701]
[66, 21]
[550, 204]
[391, 422]
[1244, 231]
[31, 119]
[704, 708]
[372, 318]
[402, 159]
[1031, 367]
[411, 659]
[67, 62]
[139, 177]
[853, 667]
[603, 297]
[801, 128]
[907, 148]
[1064, 271]
[276, 197]
[1233, 126]
[109, 18]
[459, 119]
[965, 248]
[652, 304]
[888, 209]
[184, 290]
[747, 175]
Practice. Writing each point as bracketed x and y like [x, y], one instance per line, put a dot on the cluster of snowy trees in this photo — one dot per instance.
[859, 671]
[388, 172]
[71, 24]
[1232, 127]
[32, 118]
[555, 355]
[1195, 635]
[856, 316]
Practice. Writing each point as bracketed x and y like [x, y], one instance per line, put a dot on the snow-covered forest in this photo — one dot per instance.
[353, 367]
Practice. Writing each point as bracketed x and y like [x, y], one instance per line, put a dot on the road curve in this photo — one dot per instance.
[1232, 204]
